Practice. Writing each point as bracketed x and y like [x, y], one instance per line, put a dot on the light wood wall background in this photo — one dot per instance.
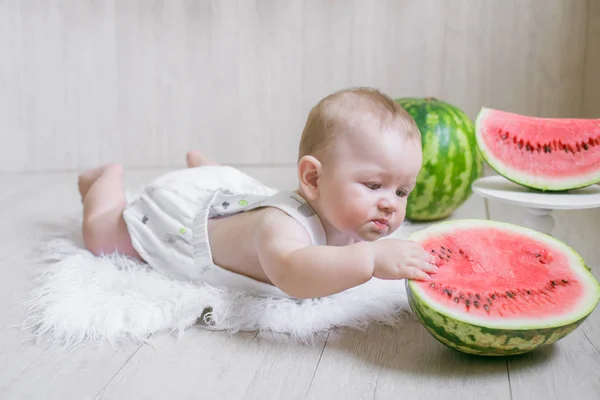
[84, 82]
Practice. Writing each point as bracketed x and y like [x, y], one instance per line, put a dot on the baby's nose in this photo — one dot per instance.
[387, 205]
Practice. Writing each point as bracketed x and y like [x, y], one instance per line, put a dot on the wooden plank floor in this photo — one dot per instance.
[378, 363]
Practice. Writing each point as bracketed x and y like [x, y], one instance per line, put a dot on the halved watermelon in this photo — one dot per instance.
[501, 289]
[551, 154]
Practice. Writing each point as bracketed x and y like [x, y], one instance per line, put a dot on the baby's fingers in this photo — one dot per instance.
[417, 274]
[430, 258]
[427, 267]
[422, 265]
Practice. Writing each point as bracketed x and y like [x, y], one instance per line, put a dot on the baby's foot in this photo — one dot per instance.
[196, 159]
[87, 178]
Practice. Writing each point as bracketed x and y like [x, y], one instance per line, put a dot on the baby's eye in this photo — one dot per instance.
[373, 186]
[401, 193]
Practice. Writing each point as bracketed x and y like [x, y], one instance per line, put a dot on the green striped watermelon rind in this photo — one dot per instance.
[482, 341]
[537, 183]
[444, 182]
[498, 337]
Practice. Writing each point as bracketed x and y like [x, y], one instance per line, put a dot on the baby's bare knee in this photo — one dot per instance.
[94, 245]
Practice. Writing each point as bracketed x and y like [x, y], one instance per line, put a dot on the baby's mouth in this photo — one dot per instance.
[380, 224]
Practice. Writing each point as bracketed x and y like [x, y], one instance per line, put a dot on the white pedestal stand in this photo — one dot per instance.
[539, 205]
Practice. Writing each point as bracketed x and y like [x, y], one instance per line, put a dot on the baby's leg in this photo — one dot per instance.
[104, 229]
[86, 179]
[196, 159]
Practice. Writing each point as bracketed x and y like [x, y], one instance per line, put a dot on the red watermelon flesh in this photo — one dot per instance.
[491, 274]
[541, 153]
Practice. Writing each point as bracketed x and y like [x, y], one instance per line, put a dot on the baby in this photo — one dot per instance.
[359, 157]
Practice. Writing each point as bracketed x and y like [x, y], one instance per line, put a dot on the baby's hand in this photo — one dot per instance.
[400, 259]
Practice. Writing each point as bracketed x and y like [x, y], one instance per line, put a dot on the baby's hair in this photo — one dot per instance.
[341, 111]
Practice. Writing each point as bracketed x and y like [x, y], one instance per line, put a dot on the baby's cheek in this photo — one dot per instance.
[354, 211]
[363, 214]
[351, 209]
[354, 205]
[400, 214]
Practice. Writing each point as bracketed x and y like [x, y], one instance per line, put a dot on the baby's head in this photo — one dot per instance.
[359, 157]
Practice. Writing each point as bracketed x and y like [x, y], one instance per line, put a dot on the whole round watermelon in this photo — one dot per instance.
[451, 158]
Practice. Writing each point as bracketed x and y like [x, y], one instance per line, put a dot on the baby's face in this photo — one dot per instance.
[365, 182]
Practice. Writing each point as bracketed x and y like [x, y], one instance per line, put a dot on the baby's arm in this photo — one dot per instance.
[303, 270]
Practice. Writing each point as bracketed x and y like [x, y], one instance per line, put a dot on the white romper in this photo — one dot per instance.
[168, 222]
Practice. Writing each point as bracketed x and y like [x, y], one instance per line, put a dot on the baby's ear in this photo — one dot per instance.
[309, 169]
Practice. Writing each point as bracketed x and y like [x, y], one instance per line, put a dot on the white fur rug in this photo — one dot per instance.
[81, 299]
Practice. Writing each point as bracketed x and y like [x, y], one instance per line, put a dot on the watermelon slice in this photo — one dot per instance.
[552, 154]
[501, 289]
